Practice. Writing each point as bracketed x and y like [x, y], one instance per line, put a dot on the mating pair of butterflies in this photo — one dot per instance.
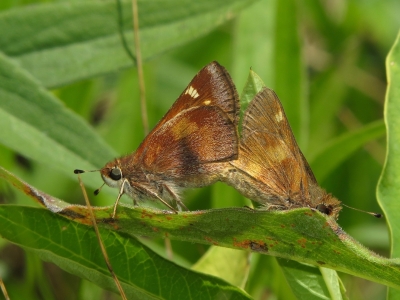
[197, 143]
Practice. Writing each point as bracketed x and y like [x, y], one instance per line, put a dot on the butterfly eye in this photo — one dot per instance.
[323, 209]
[116, 174]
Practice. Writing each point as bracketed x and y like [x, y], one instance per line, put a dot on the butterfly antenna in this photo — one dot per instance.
[96, 192]
[78, 171]
[376, 215]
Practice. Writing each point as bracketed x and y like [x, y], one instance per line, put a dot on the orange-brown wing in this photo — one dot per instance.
[269, 151]
[212, 86]
[184, 145]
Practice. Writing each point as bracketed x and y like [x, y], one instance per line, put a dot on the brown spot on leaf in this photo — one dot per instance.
[29, 192]
[111, 221]
[302, 242]
[145, 214]
[115, 226]
[74, 215]
[242, 244]
[210, 240]
[258, 246]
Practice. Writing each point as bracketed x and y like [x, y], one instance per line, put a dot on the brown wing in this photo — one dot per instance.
[184, 145]
[269, 151]
[212, 86]
[212, 89]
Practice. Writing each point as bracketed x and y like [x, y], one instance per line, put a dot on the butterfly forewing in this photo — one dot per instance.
[271, 169]
[212, 86]
[266, 114]
[269, 153]
[274, 166]
[190, 144]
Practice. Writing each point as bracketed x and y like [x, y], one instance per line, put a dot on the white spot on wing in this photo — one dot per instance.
[279, 116]
[207, 102]
[192, 92]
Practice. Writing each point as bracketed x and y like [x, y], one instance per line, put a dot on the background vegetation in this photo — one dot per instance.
[326, 61]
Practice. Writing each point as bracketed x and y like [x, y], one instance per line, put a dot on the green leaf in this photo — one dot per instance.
[230, 264]
[267, 276]
[74, 247]
[328, 94]
[62, 42]
[340, 148]
[254, 50]
[289, 82]
[304, 235]
[307, 281]
[389, 184]
[37, 125]
[333, 283]
[253, 85]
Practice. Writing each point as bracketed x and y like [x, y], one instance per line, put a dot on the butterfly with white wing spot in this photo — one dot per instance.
[191, 146]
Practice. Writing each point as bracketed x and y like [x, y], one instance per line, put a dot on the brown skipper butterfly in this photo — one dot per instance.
[191, 146]
[271, 169]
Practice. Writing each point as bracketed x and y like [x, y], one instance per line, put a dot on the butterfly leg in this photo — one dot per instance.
[152, 194]
[179, 203]
[166, 204]
[121, 191]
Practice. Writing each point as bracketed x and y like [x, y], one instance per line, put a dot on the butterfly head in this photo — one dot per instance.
[323, 208]
[112, 174]
[330, 206]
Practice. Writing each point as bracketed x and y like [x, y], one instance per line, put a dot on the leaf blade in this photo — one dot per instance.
[37, 125]
[388, 186]
[341, 147]
[73, 247]
[290, 80]
[60, 43]
[303, 235]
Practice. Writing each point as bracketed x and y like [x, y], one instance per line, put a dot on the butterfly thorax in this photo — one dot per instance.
[135, 181]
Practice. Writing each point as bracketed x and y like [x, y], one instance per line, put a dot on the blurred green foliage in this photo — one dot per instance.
[324, 59]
